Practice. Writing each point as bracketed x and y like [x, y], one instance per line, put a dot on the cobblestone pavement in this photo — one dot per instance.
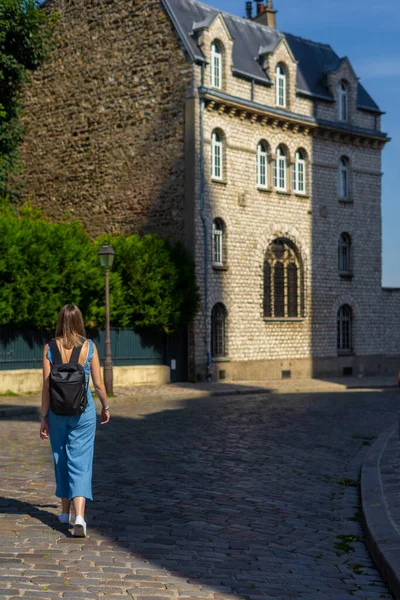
[242, 497]
[390, 478]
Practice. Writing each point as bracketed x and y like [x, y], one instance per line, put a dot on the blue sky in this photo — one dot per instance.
[368, 33]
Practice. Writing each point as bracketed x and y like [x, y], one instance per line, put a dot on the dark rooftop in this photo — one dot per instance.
[314, 59]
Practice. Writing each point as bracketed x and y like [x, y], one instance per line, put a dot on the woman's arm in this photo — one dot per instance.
[44, 427]
[99, 385]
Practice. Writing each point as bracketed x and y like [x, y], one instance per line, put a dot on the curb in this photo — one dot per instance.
[385, 386]
[382, 536]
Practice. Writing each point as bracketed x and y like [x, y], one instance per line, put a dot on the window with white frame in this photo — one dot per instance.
[344, 253]
[217, 150]
[343, 101]
[280, 84]
[280, 174]
[299, 173]
[216, 66]
[344, 178]
[218, 331]
[345, 329]
[262, 165]
[218, 243]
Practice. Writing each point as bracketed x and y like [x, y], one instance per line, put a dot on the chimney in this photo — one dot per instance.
[249, 9]
[266, 15]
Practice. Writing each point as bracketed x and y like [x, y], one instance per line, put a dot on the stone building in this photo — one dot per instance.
[260, 149]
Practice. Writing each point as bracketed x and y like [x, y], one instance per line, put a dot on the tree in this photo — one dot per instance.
[26, 33]
[45, 265]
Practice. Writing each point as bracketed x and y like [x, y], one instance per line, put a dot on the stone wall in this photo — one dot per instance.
[390, 315]
[258, 347]
[104, 119]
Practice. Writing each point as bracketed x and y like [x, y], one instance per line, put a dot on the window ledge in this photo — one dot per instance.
[300, 195]
[282, 192]
[346, 274]
[346, 200]
[220, 359]
[268, 190]
[219, 181]
[346, 353]
[284, 319]
[220, 267]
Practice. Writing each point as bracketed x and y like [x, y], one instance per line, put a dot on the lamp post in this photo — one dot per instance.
[106, 256]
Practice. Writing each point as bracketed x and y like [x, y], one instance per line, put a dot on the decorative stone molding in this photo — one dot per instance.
[292, 123]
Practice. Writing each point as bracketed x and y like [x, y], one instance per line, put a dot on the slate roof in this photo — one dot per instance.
[314, 59]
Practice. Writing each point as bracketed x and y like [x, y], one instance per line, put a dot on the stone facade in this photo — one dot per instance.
[105, 119]
[119, 133]
[259, 347]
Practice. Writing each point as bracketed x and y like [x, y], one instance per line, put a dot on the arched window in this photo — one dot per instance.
[299, 173]
[280, 174]
[283, 277]
[218, 243]
[218, 331]
[216, 156]
[216, 66]
[344, 253]
[344, 329]
[280, 85]
[262, 165]
[344, 178]
[343, 101]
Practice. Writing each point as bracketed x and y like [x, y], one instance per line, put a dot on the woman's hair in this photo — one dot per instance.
[70, 327]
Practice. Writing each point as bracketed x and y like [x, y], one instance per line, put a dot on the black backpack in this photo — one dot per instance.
[68, 389]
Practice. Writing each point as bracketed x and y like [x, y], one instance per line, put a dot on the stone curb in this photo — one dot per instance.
[382, 536]
[385, 386]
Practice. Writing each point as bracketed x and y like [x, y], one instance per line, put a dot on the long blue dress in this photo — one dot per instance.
[72, 442]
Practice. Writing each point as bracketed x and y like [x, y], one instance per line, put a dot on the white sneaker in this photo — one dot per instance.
[79, 527]
[64, 518]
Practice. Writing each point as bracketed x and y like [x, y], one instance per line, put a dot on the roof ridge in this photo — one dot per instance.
[303, 39]
[244, 19]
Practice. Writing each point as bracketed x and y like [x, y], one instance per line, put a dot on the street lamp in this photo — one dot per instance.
[106, 256]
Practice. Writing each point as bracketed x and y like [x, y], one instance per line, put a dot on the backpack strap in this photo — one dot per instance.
[74, 358]
[55, 352]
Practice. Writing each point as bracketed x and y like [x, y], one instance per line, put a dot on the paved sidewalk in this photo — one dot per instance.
[380, 488]
[16, 406]
[251, 497]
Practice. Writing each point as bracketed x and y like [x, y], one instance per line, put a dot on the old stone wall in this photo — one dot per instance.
[390, 314]
[104, 119]
[256, 346]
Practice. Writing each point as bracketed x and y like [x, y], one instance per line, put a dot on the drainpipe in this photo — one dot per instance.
[205, 230]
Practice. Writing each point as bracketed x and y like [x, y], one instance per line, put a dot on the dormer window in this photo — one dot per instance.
[343, 101]
[216, 66]
[280, 84]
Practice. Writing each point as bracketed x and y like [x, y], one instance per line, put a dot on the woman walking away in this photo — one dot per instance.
[68, 414]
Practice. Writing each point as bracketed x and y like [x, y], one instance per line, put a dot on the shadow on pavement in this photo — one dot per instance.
[221, 491]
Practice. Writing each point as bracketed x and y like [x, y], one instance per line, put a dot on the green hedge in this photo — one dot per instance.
[45, 265]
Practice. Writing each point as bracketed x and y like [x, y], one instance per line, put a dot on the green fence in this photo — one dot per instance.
[23, 349]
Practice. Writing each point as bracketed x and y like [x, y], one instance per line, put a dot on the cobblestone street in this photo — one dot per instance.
[251, 496]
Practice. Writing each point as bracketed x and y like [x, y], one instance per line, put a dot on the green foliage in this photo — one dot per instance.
[46, 265]
[26, 33]
[158, 280]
